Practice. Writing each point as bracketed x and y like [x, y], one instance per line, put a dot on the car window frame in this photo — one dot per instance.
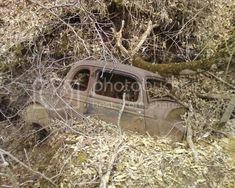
[140, 99]
[149, 99]
[73, 73]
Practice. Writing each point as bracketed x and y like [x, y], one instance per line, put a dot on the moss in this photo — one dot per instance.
[18, 50]
[82, 157]
[119, 3]
[176, 68]
[4, 67]
[64, 42]
[222, 56]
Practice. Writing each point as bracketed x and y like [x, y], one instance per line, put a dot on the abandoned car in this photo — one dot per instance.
[112, 92]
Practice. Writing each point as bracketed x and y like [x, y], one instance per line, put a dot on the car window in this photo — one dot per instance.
[157, 88]
[80, 80]
[114, 85]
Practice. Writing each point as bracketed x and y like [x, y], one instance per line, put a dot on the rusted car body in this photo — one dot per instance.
[103, 89]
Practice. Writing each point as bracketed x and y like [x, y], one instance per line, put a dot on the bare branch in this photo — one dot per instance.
[105, 178]
[228, 112]
[131, 53]
[221, 80]
[118, 36]
[190, 143]
[190, 135]
[143, 38]
[68, 25]
[26, 166]
[121, 111]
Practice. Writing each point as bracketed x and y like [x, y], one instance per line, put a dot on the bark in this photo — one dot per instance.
[224, 56]
[181, 68]
[228, 112]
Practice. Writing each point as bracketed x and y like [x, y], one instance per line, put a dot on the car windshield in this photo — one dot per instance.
[158, 89]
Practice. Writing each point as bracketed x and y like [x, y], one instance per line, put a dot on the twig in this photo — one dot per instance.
[213, 96]
[230, 59]
[105, 178]
[27, 157]
[118, 36]
[9, 172]
[25, 166]
[68, 25]
[131, 53]
[190, 143]
[121, 111]
[189, 135]
[221, 80]
[179, 101]
[228, 112]
[64, 5]
[143, 38]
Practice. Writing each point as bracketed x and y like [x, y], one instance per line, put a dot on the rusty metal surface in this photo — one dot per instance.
[159, 118]
[115, 66]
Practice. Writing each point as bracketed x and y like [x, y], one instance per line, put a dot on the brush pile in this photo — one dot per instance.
[79, 154]
[68, 159]
[41, 39]
[62, 30]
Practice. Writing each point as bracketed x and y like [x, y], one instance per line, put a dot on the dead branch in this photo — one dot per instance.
[143, 38]
[190, 135]
[118, 36]
[131, 53]
[11, 175]
[105, 178]
[213, 96]
[68, 25]
[230, 59]
[26, 166]
[221, 80]
[177, 68]
[179, 101]
[121, 111]
[64, 5]
[190, 143]
[228, 112]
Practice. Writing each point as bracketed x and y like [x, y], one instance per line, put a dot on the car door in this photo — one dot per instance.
[163, 114]
[77, 87]
[106, 99]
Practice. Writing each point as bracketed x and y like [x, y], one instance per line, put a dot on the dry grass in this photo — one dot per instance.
[70, 159]
[187, 30]
[40, 38]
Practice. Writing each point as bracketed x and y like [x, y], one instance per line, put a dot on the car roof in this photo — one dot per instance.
[117, 66]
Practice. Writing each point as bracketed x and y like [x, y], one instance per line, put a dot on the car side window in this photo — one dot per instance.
[80, 80]
[157, 88]
[114, 85]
